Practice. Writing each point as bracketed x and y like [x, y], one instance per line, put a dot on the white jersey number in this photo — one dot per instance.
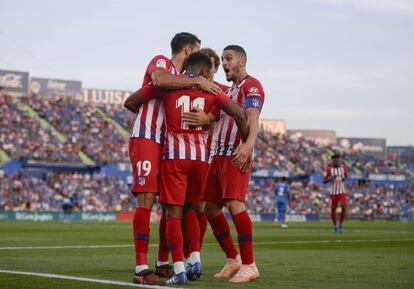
[187, 105]
[145, 167]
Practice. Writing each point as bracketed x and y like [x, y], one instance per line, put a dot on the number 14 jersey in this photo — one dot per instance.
[181, 141]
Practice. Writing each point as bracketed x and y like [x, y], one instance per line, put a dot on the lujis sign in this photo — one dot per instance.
[104, 96]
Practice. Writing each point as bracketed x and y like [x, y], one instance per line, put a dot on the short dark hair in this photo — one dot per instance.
[212, 54]
[180, 40]
[199, 59]
[238, 49]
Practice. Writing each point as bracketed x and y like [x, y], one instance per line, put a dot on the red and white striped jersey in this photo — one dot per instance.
[212, 132]
[211, 136]
[149, 123]
[338, 184]
[248, 93]
[183, 142]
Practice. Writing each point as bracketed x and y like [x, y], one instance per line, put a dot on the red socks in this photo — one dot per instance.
[141, 230]
[202, 220]
[163, 252]
[342, 217]
[175, 239]
[244, 229]
[221, 231]
[333, 216]
[191, 232]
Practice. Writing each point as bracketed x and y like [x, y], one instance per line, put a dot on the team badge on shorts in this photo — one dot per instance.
[141, 181]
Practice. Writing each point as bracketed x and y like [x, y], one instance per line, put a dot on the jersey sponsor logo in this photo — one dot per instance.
[161, 63]
[253, 91]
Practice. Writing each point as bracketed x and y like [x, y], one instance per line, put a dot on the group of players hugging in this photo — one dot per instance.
[192, 148]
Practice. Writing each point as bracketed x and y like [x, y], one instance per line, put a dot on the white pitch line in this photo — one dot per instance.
[209, 244]
[83, 279]
[67, 247]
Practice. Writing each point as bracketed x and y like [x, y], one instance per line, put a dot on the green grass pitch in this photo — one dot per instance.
[306, 255]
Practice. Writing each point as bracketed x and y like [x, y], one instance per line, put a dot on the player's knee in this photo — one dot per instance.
[235, 207]
[200, 207]
[192, 207]
[174, 211]
[211, 210]
[145, 200]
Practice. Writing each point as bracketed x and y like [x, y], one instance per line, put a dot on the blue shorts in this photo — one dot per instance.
[281, 207]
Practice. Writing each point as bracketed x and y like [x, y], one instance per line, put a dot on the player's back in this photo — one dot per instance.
[178, 102]
[183, 141]
[340, 173]
[282, 190]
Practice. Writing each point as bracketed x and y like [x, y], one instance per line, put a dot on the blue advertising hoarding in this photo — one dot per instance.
[14, 82]
[53, 87]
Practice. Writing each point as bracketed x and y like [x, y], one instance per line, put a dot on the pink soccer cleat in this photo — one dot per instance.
[232, 267]
[246, 274]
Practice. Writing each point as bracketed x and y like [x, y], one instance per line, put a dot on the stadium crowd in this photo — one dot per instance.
[96, 192]
[311, 198]
[93, 192]
[122, 116]
[301, 155]
[83, 128]
[22, 137]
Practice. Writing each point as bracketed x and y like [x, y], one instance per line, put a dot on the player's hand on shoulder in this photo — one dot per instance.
[207, 86]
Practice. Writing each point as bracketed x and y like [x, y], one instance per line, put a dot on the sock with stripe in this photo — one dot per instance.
[202, 220]
[333, 216]
[244, 229]
[342, 216]
[175, 239]
[221, 231]
[163, 252]
[191, 232]
[141, 230]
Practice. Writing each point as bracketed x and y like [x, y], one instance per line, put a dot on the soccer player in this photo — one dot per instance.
[405, 217]
[145, 150]
[208, 121]
[228, 175]
[67, 206]
[282, 199]
[337, 173]
[184, 154]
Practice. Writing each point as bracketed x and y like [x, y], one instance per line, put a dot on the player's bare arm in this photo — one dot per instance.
[166, 80]
[244, 152]
[133, 102]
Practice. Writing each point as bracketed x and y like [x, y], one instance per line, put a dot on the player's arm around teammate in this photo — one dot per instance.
[145, 150]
